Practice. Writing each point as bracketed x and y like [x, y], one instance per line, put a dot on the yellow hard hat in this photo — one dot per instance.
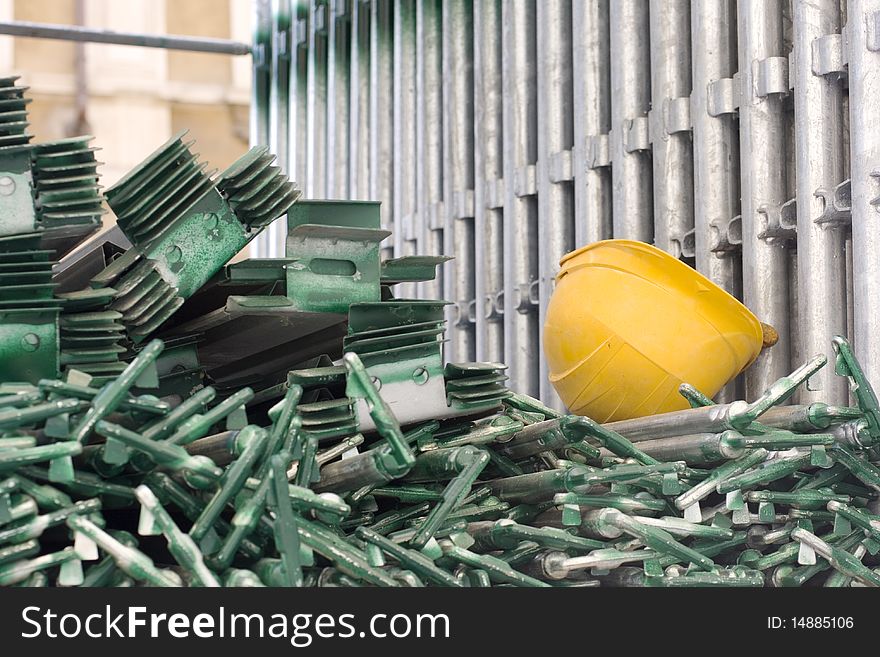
[627, 324]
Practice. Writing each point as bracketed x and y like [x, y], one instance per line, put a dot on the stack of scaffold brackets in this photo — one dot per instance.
[49, 202]
[184, 227]
[400, 343]
[261, 318]
[177, 227]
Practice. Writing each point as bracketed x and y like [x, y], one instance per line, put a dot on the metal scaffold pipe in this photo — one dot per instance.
[91, 35]
[670, 123]
[763, 73]
[864, 85]
[520, 205]
[630, 101]
[818, 102]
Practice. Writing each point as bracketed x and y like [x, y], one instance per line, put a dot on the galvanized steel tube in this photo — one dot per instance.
[670, 123]
[429, 138]
[819, 165]
[261, 77]
[316, 100]
[338, 111]
[716, 143]
[298, 116]
[359, 137]
[279, 118]
[763, 81]
[630, 102]
[519, 68]
[458, 176]
[382, 111]
[555, 140]
[592, 121]
[864, 90]
[488, 181]
[404, 153]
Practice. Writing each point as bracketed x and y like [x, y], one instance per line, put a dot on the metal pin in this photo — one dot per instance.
[658, 539]
[497, 569]
[198, 425]
[286, 535]
[783, 440]
[181, 546]
[13, 418]
[862, 469]
[685, 529]
[102, 572]
[773, 471]
[17, 552]
[35, 527]
[506, 534]
[111, 395]
[698, 449]
[470, 463]
[558, 565]
[18, 571]
[165, 426]
[346, 557]
[130, 560]
[14, 459]
[869, 523]
[233, 480]
[838, 558]
[200, 471]
[802, 499]
[846, 364]
[87, 393]
[412, 559]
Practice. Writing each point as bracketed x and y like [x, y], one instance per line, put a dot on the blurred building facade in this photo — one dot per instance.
[133, 99]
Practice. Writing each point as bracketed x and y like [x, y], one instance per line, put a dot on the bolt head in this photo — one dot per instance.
[30, 342]
[7, 186]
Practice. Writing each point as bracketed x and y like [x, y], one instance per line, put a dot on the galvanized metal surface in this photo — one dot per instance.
[739, 136]
[91, 35]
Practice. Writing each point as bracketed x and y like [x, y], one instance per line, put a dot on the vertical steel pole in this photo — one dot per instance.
[670, 123]
[279, 119]
[763, 77]
[316, 94]
[458, 175]
[262, 67]
[864, 90]
[382, 112]
[630, 102]
[488, 191]
[298, 96]
[337, 99]
[591, 64]
[555, 140]
[260, 90]
[850, 286]
[716, 142]
[429, 137]
[819, 157]
[404, 131]
[359, 102]
[519, 69]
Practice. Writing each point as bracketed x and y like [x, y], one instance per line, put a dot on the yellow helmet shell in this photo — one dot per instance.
[627, 324]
